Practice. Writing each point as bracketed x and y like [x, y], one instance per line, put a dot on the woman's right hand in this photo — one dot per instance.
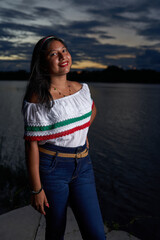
[39, 201]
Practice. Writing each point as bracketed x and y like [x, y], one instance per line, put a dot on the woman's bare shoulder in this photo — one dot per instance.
[76, 85]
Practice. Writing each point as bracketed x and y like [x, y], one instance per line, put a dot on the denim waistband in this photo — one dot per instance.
[55, 148]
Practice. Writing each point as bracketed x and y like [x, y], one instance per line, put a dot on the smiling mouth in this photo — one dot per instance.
[64, 64]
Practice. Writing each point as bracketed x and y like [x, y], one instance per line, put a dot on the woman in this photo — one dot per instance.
[57, 115]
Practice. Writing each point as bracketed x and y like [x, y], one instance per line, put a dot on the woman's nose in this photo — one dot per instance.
[62, 55]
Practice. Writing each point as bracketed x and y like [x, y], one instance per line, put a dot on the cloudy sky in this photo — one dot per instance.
[99, 33]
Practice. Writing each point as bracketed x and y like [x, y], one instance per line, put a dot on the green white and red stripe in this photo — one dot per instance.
[60, 122]
[58, 129]
[57, 135]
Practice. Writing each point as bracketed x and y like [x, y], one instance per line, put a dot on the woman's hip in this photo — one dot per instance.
[64, 164]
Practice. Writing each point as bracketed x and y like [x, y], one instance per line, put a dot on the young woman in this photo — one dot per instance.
[57, 115]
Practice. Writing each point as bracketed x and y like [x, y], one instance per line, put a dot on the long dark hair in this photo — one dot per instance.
[39, 80]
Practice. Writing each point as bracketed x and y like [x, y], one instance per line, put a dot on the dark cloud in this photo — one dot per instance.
[118, 5]
[8, 14]
[85, 27]
[83, 37]
[152, 31]
[4, 32]
[32, 29]
[84, 48]
[81, 47]
[140, 17]
[111, 15]
[118, 15]
[148, 59]
[10, 48]
[6, 46]
[46, 12]
[15, 65]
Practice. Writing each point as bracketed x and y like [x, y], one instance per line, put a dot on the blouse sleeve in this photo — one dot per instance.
[35, 120]
[88, 92]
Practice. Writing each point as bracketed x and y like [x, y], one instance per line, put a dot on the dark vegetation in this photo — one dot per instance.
[112, 74]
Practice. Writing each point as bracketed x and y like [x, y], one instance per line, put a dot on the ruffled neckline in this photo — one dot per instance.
[63, 98]
[71, 94]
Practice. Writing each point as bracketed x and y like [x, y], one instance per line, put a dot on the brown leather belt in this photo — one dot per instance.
[65, 155]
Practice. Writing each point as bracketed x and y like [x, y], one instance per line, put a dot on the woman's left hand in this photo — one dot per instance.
[39, 201]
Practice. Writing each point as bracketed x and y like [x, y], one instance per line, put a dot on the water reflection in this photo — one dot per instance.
[124, 142]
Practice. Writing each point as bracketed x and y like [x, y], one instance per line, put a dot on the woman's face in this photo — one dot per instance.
[58, 58]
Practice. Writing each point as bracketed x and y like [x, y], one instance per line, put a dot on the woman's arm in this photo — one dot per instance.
[32, 157]
[94, 111]
[32, 154]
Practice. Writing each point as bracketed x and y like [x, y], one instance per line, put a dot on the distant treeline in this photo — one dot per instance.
[111, 74]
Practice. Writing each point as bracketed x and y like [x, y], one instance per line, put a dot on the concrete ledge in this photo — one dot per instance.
[27, 224]
[120, 235]
[19, 224]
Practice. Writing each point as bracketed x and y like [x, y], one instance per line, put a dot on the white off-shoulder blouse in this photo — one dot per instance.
[65, 124]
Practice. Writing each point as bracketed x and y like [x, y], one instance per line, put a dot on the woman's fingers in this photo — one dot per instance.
[42, 209]
[46, 203]
[39, 201]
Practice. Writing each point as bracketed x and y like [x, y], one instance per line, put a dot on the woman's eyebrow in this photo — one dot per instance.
[52, 50]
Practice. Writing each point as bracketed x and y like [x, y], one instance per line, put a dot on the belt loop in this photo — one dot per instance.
[57, 152]
[54, 159]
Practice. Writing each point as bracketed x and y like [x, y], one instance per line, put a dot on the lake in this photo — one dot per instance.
[124, 147]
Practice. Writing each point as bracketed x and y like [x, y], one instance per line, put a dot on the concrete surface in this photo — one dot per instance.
[27, 224]
[19, 224]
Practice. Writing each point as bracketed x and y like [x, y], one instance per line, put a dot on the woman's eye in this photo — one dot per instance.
[53, 54]
[64, 50]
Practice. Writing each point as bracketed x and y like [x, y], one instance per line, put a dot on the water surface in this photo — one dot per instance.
[124, 146]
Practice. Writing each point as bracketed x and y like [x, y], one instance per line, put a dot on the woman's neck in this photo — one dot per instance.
[59, 82]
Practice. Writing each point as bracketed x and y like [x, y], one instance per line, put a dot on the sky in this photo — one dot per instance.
[98, 33]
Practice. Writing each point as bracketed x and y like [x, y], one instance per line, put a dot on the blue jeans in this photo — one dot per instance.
[70, 181]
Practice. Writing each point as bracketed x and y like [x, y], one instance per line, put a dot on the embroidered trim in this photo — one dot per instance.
[58, 124]
[57, 130]
[57, 135]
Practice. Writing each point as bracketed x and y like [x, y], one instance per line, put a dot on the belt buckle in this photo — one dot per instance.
[79, 155]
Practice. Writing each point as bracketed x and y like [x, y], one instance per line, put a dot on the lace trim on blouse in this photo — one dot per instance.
[67, 116]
